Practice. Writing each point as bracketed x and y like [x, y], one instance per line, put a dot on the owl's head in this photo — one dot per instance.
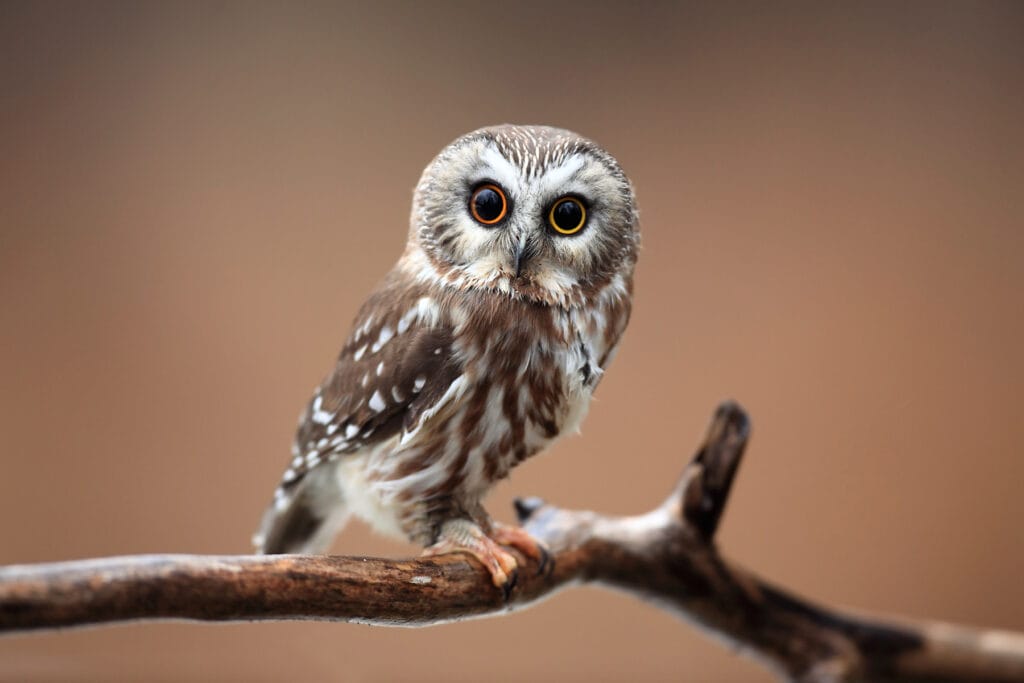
[534, 212]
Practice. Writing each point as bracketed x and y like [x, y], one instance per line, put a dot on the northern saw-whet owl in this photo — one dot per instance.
[482, 345]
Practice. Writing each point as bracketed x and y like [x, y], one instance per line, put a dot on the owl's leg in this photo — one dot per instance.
[466, 536]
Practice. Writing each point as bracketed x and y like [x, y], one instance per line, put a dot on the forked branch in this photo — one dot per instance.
[666, 556]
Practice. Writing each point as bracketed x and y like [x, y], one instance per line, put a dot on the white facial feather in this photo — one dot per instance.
[554, 182]
[496, 167]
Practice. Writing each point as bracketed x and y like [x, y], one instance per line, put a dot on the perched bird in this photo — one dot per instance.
[482, 345]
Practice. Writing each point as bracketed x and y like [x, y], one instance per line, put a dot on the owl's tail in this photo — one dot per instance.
[305, 518]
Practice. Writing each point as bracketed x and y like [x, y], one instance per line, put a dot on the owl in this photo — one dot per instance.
[482, 345]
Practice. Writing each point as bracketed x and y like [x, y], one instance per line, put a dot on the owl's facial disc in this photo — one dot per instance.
[538, 213]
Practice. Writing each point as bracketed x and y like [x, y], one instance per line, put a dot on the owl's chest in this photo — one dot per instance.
[540, 364]
[577, 367]
[576, 384]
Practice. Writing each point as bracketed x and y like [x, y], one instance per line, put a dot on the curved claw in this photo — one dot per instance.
[506, 588]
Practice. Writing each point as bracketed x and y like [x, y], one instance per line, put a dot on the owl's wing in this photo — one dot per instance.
[397, 369]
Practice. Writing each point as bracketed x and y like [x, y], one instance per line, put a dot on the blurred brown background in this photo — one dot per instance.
[195, 199]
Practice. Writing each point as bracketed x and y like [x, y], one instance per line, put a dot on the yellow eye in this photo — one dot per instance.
[488, 204]
[567, 216]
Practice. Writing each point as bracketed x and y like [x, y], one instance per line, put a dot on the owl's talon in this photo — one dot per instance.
[507, 587]
[518, 538]
[462, 535]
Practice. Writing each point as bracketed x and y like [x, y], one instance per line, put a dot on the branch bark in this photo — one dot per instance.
[666, 556]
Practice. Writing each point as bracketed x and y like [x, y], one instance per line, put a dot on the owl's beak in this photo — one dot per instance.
[523, 252]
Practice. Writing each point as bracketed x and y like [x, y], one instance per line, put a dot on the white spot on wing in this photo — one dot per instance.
[406, 321]
[359, 353]
[386, 333]
[418, 384]
[322, 417]
[377, 402]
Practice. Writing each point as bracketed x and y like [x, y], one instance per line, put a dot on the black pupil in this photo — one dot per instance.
[488, 204]
[568, 215]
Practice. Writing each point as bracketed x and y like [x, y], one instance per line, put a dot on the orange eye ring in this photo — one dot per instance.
[567, 216]
[488, 205]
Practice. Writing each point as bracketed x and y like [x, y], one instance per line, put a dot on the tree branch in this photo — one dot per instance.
[666, 556]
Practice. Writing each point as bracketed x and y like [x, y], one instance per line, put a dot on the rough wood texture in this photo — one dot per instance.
[666, 556]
